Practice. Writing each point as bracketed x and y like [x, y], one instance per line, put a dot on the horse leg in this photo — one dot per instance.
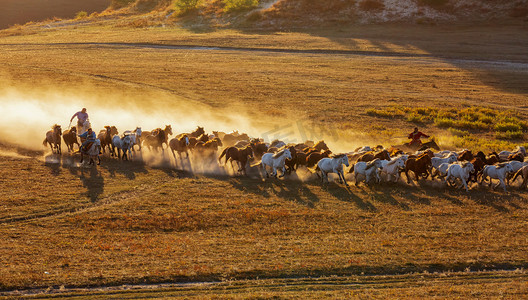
[503, 185]
[343, 176]
[408, 177]
[82, 158]
[283, 172]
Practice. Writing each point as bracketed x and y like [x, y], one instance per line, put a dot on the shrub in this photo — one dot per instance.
[120, 3]
[444, 122]
[416, 118]
[505, 127]
[81, 15]
[458, 132]
[510, 135]
[239, 5]
[184, 6]
[380, 113]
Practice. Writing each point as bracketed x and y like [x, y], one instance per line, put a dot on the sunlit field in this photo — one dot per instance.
[168, 229]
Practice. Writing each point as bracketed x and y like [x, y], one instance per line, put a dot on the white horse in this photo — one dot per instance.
[275, 162]
[516, 166]
[93, 152]
[122, 144]
[135, 137]
[440, 171]
[392, 168]
[445, 153]
[499, 172]
[332, 165]
[460, 171]
[437, 161]
[368, 170]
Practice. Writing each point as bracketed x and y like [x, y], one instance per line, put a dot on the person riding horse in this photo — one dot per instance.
[415, 137]
[82, 116]
[89, 137]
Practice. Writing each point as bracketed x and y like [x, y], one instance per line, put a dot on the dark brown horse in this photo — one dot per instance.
[320, 146]
[157, 137]
[516, 156]
[53, 138]
[231, 139]
[369, 156]
[70, 138]
[466, 155]
[315, 157]
[259, 148]
[105, 136]
[240, 155]
[291, 163]
[420, 166]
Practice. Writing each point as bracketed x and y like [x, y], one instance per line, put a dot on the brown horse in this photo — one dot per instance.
[158, 137]
[320, 146]
[420, 166]
[291, 163]
[231, 139]
[70, 138]
[315, 157]
[240, 155]
[478, 165]
[105, 136]
[179, 145]
[466, 155]
[523, 172]
[53, 137]
[369, 156]
[259, 148]
[517, 156]
[207, 149]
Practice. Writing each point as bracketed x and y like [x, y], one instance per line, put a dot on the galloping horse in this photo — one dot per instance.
[179, 145]
[275, 162]
[53, 137]
[105, 136]
[158, 137]
[70, 138]
[240, 155]
[93, 152]
[332, 165]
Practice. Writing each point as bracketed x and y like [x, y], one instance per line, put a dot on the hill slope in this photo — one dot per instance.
[22, 11]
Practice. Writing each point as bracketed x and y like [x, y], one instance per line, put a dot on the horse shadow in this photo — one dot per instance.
[93, 181]
[345, 193]
[294, 191]
[129, 168]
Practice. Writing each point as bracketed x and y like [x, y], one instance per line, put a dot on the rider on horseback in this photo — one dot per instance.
[82, 116]
[415, 138]
[90, 137]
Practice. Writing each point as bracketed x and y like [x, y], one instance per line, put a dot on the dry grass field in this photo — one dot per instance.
[77, 231]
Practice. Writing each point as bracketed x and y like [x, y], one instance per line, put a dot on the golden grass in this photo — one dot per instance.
[132, 223]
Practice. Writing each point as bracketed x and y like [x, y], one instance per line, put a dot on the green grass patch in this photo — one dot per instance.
[239, 5]
[185, 6]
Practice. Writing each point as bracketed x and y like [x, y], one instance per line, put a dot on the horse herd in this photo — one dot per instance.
[371, 165]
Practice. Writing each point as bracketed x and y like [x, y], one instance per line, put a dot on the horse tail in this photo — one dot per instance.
[45, 142]
[519, 173]
[257, 164]
[221, 155]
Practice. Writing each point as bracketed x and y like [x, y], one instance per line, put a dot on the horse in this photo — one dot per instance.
[318, 147]
[232, 138]
[393, 168]
[240, 155]
[436, 162]
[523, 172]
[419, 166]
[418, 147]
[122, 144]
[466, 155]
[430, 144]
[516, 156]
[93, 152]
[499, 172]
[332, 164]
[275, 161]
[369, 156]
[105, 136]
[135, 137]
[179, 145]
[314, 157]
[292, 162]
[478, 166]
[53, 138]
[461, 172]
[503, 155]
[259, 148]
[157, 137]
[277, 144]
[516, 166]
[70, 138]
[369, 170]
[208, 149]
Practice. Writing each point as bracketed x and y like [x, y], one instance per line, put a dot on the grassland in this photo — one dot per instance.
[132, 223]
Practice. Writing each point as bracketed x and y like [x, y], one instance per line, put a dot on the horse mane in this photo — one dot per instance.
[279, 154]
[502, 165]
[391, 162]
[338, 155]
